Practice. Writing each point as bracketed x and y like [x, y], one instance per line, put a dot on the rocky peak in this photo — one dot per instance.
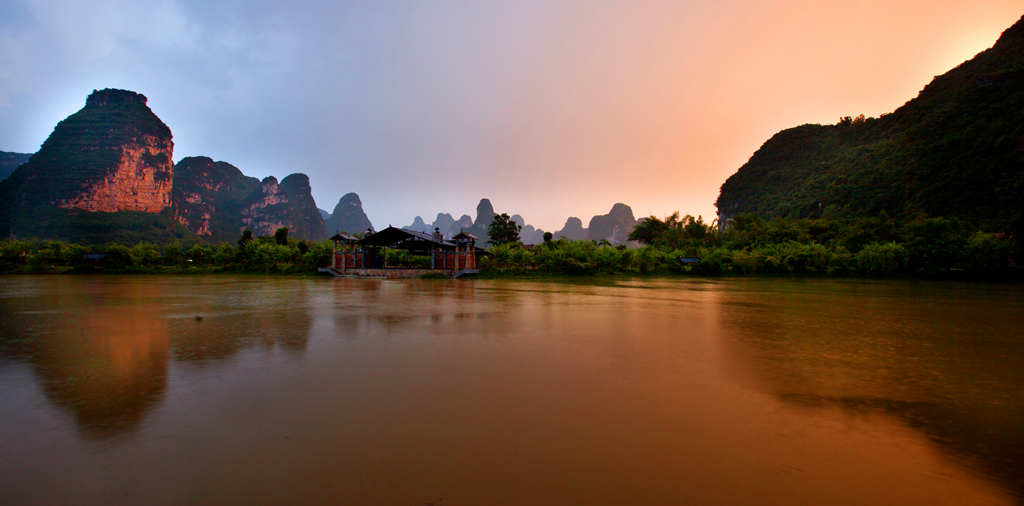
[446, 224]
[348, 216]
[269, 185]
[614, 226]
[463, 223]
[296, 186]
[112, 155]
[207, 196]
[285, 204]
[350, 199]
[419, 225]
[573, 230]
[110, 96]
[621, 211]
[484, 213]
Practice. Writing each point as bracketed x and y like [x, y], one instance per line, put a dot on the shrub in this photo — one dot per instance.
[882, 258]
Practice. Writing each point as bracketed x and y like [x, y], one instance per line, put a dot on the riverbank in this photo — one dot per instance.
[872, 247]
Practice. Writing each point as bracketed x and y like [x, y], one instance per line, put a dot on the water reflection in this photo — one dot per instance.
[642, 391]
[946, 359]
[228, 319]
[100, 351]
[356, 307]
[107, 366]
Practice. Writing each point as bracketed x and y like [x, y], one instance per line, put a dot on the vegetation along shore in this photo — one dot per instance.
[872, 246]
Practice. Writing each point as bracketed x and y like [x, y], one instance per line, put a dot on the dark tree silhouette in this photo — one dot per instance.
[503, 230]
[281, 236]
[246, 237]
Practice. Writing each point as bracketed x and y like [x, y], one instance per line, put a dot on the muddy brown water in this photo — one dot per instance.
[634, 391]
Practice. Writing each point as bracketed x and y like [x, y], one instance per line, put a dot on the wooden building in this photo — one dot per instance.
[366, 257]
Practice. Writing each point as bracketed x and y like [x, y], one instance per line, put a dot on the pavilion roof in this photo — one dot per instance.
[341, 236]
[397, 237]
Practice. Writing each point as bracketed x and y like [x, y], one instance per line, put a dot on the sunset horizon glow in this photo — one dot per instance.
[550, 110]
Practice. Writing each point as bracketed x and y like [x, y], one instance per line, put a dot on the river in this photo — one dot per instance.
[265, 390]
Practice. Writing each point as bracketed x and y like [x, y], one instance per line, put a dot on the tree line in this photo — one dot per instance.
[880, 245]
[272, 254]
[919, 246]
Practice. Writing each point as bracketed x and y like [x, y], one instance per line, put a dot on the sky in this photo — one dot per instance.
[550, 109]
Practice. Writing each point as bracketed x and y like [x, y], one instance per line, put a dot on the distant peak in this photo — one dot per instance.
[296, 176]
[484, 208]
[297, 183]
[110, 96]
[350, 198]
[197, 159]
[620, 209]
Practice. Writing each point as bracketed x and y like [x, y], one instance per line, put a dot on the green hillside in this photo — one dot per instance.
[955, 150]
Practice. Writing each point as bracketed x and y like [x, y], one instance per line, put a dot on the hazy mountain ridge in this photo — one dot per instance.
[957, 149]
[613, 227]
[10, 161]
[485, 214]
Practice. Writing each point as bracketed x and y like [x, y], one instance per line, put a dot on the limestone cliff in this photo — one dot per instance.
[114, 156]
[288, 204]
[208, 196]
[140, 180]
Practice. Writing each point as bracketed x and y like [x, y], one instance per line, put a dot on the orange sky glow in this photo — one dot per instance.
[679, 98]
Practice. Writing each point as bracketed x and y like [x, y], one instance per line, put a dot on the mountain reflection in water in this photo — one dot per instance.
[945, 358]
[102, 353]
[620, 391]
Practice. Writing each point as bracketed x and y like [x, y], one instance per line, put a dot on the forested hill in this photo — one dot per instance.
[957, 149]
